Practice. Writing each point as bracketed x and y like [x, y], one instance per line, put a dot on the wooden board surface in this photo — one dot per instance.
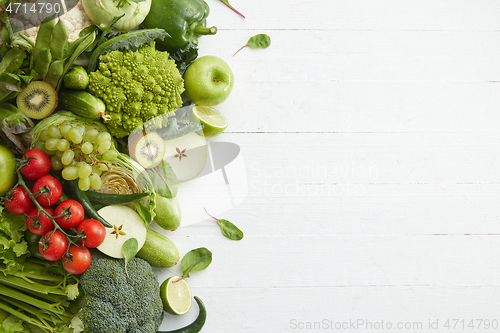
[370, 135]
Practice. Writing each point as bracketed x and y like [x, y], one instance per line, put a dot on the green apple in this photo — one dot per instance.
[7, 170]
[208, 81]
[168, 212]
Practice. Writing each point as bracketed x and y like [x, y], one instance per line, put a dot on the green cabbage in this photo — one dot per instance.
[127, 176]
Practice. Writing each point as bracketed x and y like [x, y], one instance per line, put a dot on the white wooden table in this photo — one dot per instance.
[370, 134]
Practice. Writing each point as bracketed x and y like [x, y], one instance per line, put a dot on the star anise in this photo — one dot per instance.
[180, 153]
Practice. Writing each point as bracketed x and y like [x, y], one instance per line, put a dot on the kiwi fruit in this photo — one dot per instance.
[148, 149]
[38, 100]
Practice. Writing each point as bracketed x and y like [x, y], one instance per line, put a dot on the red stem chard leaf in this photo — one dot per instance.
[226, 2]
[260, 41]
[195, 260]
[228, 229]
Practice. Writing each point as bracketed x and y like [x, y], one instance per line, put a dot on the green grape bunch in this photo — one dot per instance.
[78, 149]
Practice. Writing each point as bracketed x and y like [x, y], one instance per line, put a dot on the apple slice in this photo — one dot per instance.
[126, 224]
[187, 155]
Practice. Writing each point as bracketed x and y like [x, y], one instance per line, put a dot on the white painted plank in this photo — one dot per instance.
[331, 56]
[357, 15]
[267, 309]
[363, 183]
[364, 82]
[369, 131]
[288, 261]
[360, 277]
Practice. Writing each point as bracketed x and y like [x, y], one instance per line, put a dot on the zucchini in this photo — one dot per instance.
[132, 40]
[158, 250]
[83, 104]
[107, 199]
[197, 324]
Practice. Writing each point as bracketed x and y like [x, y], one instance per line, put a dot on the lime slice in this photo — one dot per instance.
[214, 123]
[176, 295]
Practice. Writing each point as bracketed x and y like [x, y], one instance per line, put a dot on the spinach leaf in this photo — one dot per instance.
[129, 250]
[164, 180]
[228, 229]
[195, 260]
[260, 41]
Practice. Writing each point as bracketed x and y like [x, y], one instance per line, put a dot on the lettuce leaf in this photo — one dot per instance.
[13, 248]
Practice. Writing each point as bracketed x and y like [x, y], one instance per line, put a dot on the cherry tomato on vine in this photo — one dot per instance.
[94, 232]
[38, 164]
[80, 260]
[75, 216]
[18, 201]
[54, 190]
[53, 245]
[43, 224]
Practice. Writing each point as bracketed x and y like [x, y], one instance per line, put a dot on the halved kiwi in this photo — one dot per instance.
[38, 100]
[147, 149]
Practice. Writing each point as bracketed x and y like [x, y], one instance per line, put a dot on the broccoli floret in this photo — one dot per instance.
[115, 302]
[138, 84]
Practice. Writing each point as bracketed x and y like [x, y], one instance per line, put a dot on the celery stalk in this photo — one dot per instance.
[9, 292]
[18, 282]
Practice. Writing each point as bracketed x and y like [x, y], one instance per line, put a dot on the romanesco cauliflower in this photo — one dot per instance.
[136, 86]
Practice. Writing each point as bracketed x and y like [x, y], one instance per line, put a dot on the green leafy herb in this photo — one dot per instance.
[260, 41]
[12, 61]
[184, 57]
[195, 260]
[129, 250]
[228, 229]
[13, 124]
[226, 2]
[8, 86]
[164, 180]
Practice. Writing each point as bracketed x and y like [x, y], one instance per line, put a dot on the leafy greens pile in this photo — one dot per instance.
[34, 294]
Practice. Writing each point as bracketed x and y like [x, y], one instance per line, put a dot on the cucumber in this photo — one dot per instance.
[158, 250]
[106, 199]
[77, 78]
[83, 104]
[197, 324]
[168, 212]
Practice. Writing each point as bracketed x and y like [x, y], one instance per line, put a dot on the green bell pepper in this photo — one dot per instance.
[183, 20]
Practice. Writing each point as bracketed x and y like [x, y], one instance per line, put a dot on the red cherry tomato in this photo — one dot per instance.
[80, 260]
[54, 193]
[53, 245]
[38, 164]
[94, 233]
[43, 224]
[17, 201]
[75, 217]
